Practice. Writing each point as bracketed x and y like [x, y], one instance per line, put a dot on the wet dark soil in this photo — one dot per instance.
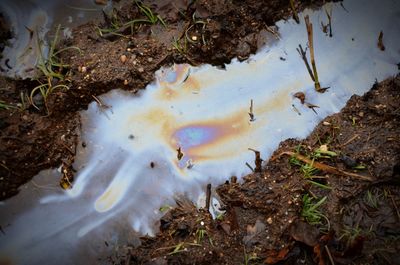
[266, 219]
[5, 33]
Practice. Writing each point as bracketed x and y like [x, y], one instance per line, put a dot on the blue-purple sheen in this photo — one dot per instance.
[195, 135]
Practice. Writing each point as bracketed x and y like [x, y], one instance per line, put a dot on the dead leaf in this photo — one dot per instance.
[253, 232]
[305, 233]
[275, 256]
[301, 96]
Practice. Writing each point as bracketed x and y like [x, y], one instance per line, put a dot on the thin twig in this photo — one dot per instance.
[350, 140]
[312, 106]
[4, 166]
[100, 102]
[341, 4]
[42, 186]
[295, 16]
[272, 31]
[258, 160]
[248, 165]
[329, 15]
[381, 46]
[208, 197]
[296, 110]
[303, 55]
[251, 114]
[68, 148]
[329, 255]
[324, 167]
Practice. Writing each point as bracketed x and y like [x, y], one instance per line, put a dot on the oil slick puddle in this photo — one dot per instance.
[30, 22]
[131, 166]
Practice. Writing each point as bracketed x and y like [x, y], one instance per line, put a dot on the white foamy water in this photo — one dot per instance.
[204, 111]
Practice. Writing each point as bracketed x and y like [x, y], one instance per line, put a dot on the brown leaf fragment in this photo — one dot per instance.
[226, 228]
[301, 96]
[179, 154]
[274, 256]
[305, 233]
[318, 254]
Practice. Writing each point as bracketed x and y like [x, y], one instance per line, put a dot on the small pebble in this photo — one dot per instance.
[269, 220]
[123, 58]
[194, 38]
[149, 59]
[326, 123]
[140, 69]
[126, 82]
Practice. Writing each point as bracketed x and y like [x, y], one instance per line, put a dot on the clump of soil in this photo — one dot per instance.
[268, 218]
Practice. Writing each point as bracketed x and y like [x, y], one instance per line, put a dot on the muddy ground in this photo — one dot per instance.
[266, 219]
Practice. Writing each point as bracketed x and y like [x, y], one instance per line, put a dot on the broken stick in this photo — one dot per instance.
[326, 168]
[251, 114]
[303, 56]
[381, 46]
[258, 160]
[295, 16]
[208, 197]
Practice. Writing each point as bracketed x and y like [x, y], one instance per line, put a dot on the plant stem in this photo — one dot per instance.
[303, 53]
[312, 56]
[295, 16]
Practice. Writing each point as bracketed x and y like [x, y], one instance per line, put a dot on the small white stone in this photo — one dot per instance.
[326, 123]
